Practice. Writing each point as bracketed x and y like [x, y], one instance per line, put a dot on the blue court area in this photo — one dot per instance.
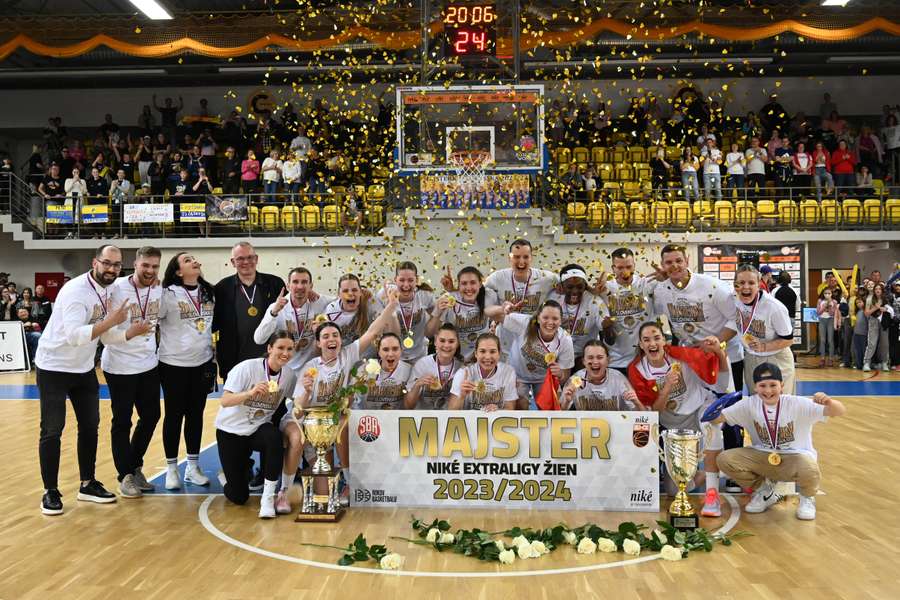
[209, 462]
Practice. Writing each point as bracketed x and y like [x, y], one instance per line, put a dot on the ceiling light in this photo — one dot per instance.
[152, 9]
[835, 2]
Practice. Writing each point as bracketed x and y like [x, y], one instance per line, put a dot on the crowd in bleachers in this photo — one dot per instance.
[31, 307]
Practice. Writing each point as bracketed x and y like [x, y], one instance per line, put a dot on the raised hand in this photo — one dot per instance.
[659, 272]
[821, 398]
[447, 280]
[466, 387]
[599, 288]
[120, 314]
[281, 302]
[259, 390]
[711, 344]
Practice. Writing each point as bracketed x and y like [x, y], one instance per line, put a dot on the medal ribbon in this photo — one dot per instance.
[197, 305]
[440, 376]
[103, 299]
[300, 328]
[577, 310]
[772, 431]
[524, 293]
[412, 314]
[251, 297]
[655, 373]
[744, 330]
[547, 346]
[138, 294]
[266, 371]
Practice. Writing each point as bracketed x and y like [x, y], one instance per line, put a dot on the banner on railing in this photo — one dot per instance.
[95, 213]
[499, 191]
[149, 213]
[192, 212]
[506, 459]
[226, 208]
[60, 214]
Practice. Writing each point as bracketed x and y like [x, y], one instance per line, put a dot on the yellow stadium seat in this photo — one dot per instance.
[639, 214]
[631, 189]
[253, 216]
[360, 191]
[637, 154]
[625, 174]
[831, 212]
[703, 208]
[606, 171]
[788, 212]
[681, 213]
[766, 209]
[375, 215]
[878, 186]
[310, 216]
[673, 153]
[381, 174]
[598, 154]
[852, 212]
[269, 217]
[618, 155]
[618, 214]
[745, 213]
[892, 211]
[581, 154]
[375, 192]
[723, 213]
[872, 212]
[290, 217]
[642, 171]
[659, 212]
[331, 216]
[597, 215]
[562, 169]
[576, 211]
[809, 212]
[563, 155]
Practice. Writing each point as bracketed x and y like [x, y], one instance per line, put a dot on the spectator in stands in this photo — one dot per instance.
[76, 188]
[51, 186]
[97, 186]
[187, 143]
[827, 107]
[124, 162]
[751, 127]
[7, 170]
[315, 174]
[32, 332]
[26, 301]
[250, 173]
[890, 134]
[870, 150]
[176, 163]
[146, 122]
[572, 182]
[208, 149]
[712, 168]
[168, 114]
[659, 171]
[802, 162]
[799, 125]
[43, 306]
[843, 167]
[78, 152]
[301, 145]
[705, 135]
[144, 157]
[157, 174]
[784, 167]
[35, 166]
[834, 123]
[689, 166]
[193, 161]
[121, 191]
[99, 163]
[108, 127]
[773, 115]
[203, 186]
[235, 132]
[13, 293]
[271, 175]
[894, 331]
[67, 163]
[182, 185]
[266, 137]
[765, 278]
[590, 180]
[774, 144]
[291, 172]
[231, 172]
[736, 169]
[203, 110]
[864, 185]
[822, 170]
[161, 144]
[7, 306]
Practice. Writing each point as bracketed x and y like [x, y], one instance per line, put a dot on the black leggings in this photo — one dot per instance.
[127, 393]
[184, 394]
[235, 450]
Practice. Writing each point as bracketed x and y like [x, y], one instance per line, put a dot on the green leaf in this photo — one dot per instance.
[679, 538]
[346, 560]
[443, 525]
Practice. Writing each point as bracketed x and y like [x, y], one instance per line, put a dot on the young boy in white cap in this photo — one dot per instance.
[780, 427]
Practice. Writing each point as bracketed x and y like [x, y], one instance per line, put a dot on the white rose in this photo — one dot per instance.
[670, 553]
[446, 538]
[507, 557]
[586, 546]
[524, 551]
[660, 536]
[631, 547]
[606, 545]
[570, 538]
[520, 541]
[500, 545]
[433, 535]
[373, 368]
[539, 548]
[391, 562]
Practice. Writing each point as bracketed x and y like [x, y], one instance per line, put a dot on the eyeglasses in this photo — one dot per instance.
[242, 259]
[110, 265]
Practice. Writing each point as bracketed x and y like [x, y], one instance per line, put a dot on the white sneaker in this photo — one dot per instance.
[806, 511]
[867, 367]
[173, 480]
[267, 506]
[885, 367]
[221, 477]
[762, 499]
[196, 476]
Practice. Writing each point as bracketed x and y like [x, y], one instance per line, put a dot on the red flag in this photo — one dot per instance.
[704, 364]
[548, 397]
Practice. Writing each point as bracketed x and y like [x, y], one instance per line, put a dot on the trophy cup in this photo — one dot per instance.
[682, 455]
[321, 428]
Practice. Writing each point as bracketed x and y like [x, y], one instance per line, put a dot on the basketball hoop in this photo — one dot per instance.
[469, 166]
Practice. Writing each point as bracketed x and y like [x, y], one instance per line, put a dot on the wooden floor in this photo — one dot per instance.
[158, 547]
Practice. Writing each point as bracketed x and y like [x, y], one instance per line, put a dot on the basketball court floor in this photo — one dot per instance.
[193, 544]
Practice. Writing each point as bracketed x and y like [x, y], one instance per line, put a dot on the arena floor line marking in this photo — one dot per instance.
[203, 513]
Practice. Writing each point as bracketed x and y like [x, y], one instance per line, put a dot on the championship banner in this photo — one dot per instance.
[95, 213]
[149, 213]
[192, 212]
[226, 208]
[13, 349]
[569, 460]
[60, 214]
[500, 191]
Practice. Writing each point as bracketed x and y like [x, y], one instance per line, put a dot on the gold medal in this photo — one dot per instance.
[722, 345]
[480, 387]
[774, 459]
[312, 372]
[671, 405]
[451, 301]
[676, 367]
[408, 342]
[576, 381]
[550, 358]
[200, 324]
[252, 311]
[273, 386]
[435, 386]
[748, 339]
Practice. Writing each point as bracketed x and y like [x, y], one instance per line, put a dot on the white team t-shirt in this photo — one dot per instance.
[756, 161]
[734, 163]
[469, 320]
[185, 332]
[606, 395]
[413, 316]
[534, 290]
[433, 399]
[299, 322]
[711, 160]
[689, 394]
[137, 355]
[796, 417]
[768, 320]
[496, 388]
[330, 378]
[702, 308]
[583, 321]
[629, 307]
[245, 419]
[387, 389]
[348, 321]
[527, 358]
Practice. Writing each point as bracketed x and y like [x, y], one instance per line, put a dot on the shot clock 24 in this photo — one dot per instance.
[470, 30]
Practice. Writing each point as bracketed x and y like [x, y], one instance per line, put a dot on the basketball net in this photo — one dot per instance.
[469, 166]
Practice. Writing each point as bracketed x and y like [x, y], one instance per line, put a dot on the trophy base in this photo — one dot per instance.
[320, 517]
[319, 507]
[684, 522]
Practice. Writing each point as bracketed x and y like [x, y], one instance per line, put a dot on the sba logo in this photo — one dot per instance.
[368, 429]
[363, 495]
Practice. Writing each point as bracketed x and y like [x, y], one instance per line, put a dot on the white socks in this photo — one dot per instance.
[192, 461]
[270, 487]
[712, 481]
[287, 480]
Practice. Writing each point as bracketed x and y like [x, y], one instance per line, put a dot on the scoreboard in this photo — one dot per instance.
[470, 30]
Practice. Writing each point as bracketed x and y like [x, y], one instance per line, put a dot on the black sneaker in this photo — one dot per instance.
[95, 492]
[51, 503]
[732, 487]
[257, 481]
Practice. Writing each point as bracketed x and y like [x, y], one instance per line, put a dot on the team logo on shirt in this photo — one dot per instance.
[678, 389]
[577, 329]
[479, 400]
[595, 401]
[626, 307]
[326, 390]
[531, 301]
[685, 311]
[368, 429]
[534, 357]
[785, 433]
[470, 323]
[96, 315]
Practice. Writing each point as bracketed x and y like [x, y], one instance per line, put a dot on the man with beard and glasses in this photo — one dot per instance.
[65, 368]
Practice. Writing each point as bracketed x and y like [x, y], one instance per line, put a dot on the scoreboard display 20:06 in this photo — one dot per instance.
[470, 30]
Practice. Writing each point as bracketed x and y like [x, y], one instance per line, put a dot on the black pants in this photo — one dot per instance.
[127, 393]
[756, 179]
[184, 395]
[235, 450]
[84, 392]
[733, 435]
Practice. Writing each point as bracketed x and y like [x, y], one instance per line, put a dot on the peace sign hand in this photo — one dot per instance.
[119, 315]
[447, 280]
[281, 302]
